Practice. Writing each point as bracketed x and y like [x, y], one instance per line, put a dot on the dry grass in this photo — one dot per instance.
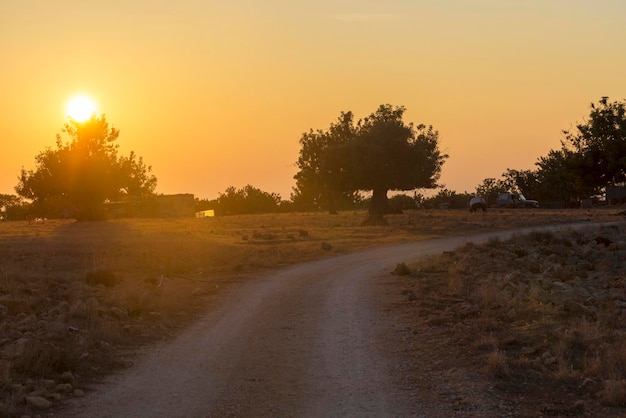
[545, 308]
[74, 296]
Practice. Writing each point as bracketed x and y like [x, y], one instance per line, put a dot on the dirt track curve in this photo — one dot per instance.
[302, 341]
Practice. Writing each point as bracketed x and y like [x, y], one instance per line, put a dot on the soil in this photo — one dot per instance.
[337, 337]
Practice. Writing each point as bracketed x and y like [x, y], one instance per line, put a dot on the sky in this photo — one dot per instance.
[215, 94]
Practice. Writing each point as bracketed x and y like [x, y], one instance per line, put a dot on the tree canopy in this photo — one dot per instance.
[592, 156]
[379, 153]
[247, 200]
[596, 149]
[78, 175]
[313, 190]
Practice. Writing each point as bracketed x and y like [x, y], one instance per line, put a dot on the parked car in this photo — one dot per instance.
[477, 203]
[515, 200]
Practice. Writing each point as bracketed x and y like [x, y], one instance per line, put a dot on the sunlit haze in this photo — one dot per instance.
[216, 94]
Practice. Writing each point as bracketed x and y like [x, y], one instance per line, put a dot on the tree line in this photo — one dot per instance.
[351, 164]
[591, 157]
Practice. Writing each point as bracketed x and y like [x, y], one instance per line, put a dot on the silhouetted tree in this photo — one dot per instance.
[523, 181]
[7, 200]
[596, 149]
[557, 184]
[383, 153]
[490, 188]
[82, 173]
[246, 200]
[12, 207]
[314, 190]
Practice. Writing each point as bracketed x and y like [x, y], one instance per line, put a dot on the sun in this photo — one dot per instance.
[81, 108]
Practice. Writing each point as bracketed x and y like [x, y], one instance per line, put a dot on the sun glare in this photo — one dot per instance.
[81, 108]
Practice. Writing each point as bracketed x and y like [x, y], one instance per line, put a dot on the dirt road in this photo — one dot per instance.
[304, 341]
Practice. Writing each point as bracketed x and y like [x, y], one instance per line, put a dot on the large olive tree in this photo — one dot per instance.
[377, 154]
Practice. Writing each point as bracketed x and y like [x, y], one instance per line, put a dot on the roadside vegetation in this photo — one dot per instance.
[543, 314]
[353, 164]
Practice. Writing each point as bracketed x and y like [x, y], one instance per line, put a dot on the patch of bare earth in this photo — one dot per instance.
[533, 326]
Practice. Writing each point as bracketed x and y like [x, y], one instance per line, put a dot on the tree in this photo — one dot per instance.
[246, 200]
[83, 172]
[314, 189]
[383, 153]
[7, 200]
[490, 188]
[556, 181]
[12, 207]
[598, 147]
[523, 181]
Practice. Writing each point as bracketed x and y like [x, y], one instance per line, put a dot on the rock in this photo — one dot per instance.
[550, 360]
[67, 377]
[38, 392]
[326, 246]
[38, 402]
[48, 383]
[54, 396]
[587, 382]
[64, 388]
[78, 393]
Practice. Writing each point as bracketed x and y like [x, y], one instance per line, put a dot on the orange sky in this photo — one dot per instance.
[217, 93]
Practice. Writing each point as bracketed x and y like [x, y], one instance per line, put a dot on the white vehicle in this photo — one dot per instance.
[477, 203]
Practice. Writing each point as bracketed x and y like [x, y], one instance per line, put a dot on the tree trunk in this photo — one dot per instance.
[379, 205]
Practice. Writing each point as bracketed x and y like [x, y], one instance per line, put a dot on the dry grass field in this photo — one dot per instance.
[541, 315]
[76, 298]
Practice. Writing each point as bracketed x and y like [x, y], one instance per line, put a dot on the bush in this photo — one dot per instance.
[402, 202]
